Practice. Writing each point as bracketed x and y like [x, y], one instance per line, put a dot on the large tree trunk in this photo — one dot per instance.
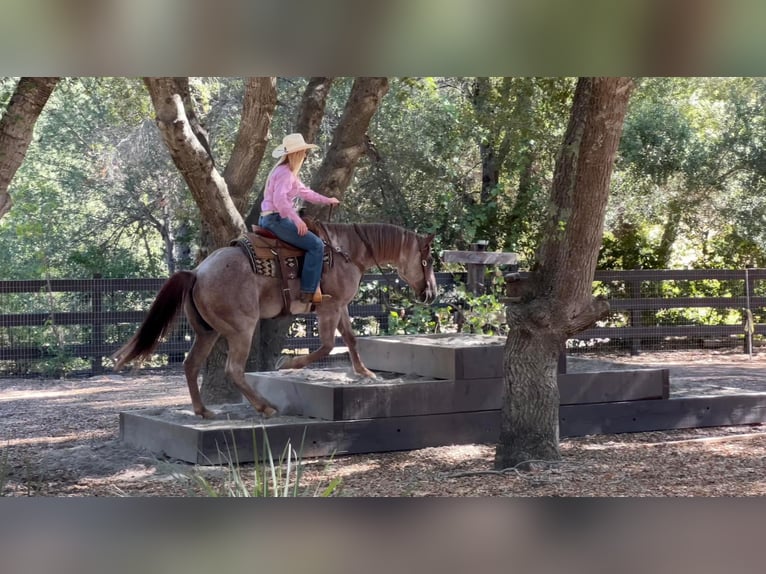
[348, 142]
[269, 339]
[220, 198]
[495, 145]
[310, 116]
[190, 152]
[559, 302]
[258, 107]
[312, 108]
[17, 127]
[332, 178]
[253, 137]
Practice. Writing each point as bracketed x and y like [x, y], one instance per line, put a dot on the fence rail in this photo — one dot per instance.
[90, 318]
[642, 304]
[101, 314]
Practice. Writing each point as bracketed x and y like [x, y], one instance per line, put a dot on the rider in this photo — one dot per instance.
[278, 213]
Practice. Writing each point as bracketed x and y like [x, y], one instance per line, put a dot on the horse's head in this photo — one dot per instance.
[417, 268]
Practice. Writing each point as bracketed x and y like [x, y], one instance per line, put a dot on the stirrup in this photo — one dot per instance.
[318, 297]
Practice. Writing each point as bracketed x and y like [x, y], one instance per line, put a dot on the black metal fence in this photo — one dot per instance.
[74, 325]
[679, 308]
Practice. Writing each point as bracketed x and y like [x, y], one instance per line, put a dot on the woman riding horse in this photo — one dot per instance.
[278, 213]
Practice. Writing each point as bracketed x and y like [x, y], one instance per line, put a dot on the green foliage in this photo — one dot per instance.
[272, 477]
[458, 310]
[98, 192]
[629, 247]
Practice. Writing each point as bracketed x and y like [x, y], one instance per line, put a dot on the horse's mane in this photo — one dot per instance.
[386, 238]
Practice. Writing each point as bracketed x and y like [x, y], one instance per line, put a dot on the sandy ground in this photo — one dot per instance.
[60, 437]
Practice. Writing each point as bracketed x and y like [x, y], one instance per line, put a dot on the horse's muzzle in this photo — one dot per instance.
[428, 295]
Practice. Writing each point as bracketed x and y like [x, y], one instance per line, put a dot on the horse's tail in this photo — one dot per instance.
[159, 319]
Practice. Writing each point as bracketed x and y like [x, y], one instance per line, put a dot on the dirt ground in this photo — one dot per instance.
[60, 437]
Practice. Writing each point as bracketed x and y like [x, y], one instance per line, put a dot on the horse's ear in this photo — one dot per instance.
[430, 238]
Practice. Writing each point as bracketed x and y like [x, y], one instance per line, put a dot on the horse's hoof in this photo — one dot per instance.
[268, 412]
[281, 362]
[207, 414]
[368, 374]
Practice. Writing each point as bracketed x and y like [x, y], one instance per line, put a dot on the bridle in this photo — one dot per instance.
[426, 261]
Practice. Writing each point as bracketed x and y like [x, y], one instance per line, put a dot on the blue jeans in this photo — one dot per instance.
[310, 243]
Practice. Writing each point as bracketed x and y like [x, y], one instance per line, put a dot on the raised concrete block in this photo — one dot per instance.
[337, 394]
[343, 395]
[452, 356]
[238, 436]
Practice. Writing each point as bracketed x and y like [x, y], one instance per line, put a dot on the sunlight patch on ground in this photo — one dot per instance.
[48, 440]
[454, 453]
[337, 469]
[32, 394]
[736, 442]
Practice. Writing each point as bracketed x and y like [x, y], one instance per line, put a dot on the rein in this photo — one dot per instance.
[423, 257]
[371, 251]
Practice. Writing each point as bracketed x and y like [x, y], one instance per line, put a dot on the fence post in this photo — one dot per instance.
[475, 271]
[749, 326]
[634, 292]
[97, 325]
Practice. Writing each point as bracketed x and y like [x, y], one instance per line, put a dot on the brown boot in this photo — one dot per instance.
[318, 297]
[306, 297]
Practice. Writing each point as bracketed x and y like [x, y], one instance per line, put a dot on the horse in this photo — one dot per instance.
[225, 297]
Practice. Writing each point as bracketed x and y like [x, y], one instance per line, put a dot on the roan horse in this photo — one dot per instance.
[225, 297]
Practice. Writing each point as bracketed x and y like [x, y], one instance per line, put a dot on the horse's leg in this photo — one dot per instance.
[328, 322]
[350, 339]
[239, 348]
[203, 343]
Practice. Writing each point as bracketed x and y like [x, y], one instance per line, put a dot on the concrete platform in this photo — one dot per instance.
[339, 394]
[452, 356]
[179, 434]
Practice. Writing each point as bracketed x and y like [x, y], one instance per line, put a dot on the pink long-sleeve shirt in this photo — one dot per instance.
[283, 188]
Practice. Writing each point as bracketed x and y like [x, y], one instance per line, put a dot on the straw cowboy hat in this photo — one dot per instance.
[291, 143]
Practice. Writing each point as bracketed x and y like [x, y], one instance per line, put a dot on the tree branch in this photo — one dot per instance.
[597, 309]
[312, 108]
[347, 146]
[207, 187]
[17, 128]
[252, 138]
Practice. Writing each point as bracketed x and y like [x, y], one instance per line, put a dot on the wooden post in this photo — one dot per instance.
[749, 326]
[476, 260]
[634, 291]
[97, 325]
[475, 271]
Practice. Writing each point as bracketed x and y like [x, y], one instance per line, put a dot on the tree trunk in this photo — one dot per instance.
[343, 155]
[17, 128]
[253, 137]
[268, 341]
[191, 155]
[312, 108]
[220, 198]
[310, 117]
[559, 301]
[669, 234]
[495, 145]
[348, 142]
